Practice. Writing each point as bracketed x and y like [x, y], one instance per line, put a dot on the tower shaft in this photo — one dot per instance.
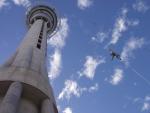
[24, 83]
[32, 52]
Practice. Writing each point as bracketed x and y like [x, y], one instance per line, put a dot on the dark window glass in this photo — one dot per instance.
[39, 41]
[48, 25]
[39, 46]
[40, 37]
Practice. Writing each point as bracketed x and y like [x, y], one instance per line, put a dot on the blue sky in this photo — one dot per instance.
[84, 78]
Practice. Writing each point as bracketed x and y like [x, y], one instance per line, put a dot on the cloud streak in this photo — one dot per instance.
[83, 4]
[57, 42]
[90, 66]
[117, 77]
[3, 3]
[140, 6]
[72, 88]
[93, 88]
[24, 3]
[55, 64]
[100, 37]
[144, 102]
[67, 110]
[132, 45]
[121, 25]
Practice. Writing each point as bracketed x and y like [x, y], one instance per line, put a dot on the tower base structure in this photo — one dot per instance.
[17, 97]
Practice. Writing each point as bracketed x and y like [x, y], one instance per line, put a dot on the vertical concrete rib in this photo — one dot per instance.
[47, 107]
[26, 50]
[10, 101]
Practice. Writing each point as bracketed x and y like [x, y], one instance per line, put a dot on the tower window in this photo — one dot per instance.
[40, 37]
[48, 25]
[39, 46]
[39, 41]
[45, 19]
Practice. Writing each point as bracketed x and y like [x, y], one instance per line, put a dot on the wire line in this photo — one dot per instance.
[138, 74]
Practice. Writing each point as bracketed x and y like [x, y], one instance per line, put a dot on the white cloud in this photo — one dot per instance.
[146, 106]
[144, 103]
[100, 37]
[136, 100]
[25, 3]
[130, 46]
[58, 40]
[147, 98]
[58, 108]
[67, 110]
[93, 88]
[140, 6]
[82, 4]
[90, 66]
[117, 77]
[55, 65]
[72, 88]
[119, 27]
[3, 3]
[133, 22]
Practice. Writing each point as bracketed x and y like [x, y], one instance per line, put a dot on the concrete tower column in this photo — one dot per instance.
[28, 67]
[47, 106]
[10, 101]
[25, 51]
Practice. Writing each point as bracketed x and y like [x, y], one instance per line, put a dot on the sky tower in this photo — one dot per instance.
[24, 83]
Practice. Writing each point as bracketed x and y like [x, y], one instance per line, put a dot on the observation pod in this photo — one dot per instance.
[24, 82]
[45, 13]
